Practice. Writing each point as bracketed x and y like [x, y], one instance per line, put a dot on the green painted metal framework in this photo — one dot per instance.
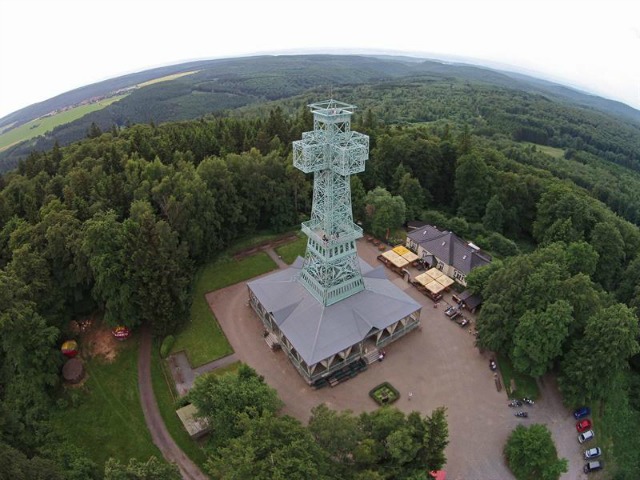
[332, 152]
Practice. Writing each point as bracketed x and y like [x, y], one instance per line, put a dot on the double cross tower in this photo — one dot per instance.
[333, 152]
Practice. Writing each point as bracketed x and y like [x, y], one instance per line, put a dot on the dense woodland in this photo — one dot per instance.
[118, 222]
[395, 88]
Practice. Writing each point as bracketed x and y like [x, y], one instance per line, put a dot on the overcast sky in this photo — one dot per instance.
[48, 47]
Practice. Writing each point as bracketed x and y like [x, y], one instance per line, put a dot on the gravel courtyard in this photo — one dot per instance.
[438, 363]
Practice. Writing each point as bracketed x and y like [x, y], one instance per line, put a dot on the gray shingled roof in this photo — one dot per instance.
[424, 233]
[449, 248]
[318, 332]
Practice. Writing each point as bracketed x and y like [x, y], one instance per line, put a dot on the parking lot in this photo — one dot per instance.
[438, 363]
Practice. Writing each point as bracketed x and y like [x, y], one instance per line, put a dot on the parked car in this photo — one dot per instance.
[581, 413]
[463, 322]
[592, 453]
[586, 436]
[452, 312]
[583, 425]
[593, 466]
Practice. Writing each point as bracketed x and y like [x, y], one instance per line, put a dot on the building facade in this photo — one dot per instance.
[447, 252]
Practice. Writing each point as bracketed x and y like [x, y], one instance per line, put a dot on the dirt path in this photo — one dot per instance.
[159, 433]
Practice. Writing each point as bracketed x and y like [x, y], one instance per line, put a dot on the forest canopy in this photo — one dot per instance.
[118, 222]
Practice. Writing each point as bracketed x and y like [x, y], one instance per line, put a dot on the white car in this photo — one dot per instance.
[586, 436]
[594, 452]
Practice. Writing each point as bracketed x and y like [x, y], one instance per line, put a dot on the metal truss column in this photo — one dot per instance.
[333, 153]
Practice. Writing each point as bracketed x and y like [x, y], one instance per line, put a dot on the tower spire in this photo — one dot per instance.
[333, 153]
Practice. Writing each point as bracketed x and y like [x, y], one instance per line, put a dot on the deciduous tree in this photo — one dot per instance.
[270, 448]
[539, 338]
[472, 186]
[152, 469]
[610, 339]
[531, 454]
[224, 400]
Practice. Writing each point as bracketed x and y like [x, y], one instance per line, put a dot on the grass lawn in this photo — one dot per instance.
[551, 151]
[616, 425]
[526, 386]
[290, 251]
[165, 397]
[202, 338]
[42, 125]
[104, 416]
[258, 239]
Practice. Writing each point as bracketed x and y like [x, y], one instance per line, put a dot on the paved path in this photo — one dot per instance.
[276, 258]
[184, 376]
[159, 433]
[438, 363]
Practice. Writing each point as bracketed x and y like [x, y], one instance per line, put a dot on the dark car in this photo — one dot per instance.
[583, 425]
[452, 312]
[593, 466]
[581, 413]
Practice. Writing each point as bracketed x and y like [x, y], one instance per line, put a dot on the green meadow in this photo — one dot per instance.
[41, 126]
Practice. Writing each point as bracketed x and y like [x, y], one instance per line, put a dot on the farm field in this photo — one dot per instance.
[166, 78]
[41, 126]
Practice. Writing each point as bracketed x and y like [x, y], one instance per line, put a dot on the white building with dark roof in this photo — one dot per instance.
[447, 252]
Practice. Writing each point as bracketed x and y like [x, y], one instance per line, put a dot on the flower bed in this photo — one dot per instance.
[384, 394]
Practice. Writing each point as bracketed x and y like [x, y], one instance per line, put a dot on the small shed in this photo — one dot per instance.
[73, 370]
[197, 427]
[470, 301]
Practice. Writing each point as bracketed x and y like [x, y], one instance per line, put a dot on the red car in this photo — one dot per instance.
[583, 425]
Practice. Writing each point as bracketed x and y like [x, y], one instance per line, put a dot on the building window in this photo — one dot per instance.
[461, 277]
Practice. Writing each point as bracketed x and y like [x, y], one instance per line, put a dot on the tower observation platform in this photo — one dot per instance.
[329, 308]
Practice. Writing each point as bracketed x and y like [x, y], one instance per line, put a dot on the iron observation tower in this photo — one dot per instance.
[330, 311]
[332, 152]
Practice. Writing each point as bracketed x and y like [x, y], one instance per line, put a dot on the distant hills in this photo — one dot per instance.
[225, 85]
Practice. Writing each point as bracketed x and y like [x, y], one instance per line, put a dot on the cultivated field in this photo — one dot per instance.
[166, 78]
[41, 126]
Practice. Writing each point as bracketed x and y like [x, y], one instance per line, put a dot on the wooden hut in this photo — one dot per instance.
[195, 425]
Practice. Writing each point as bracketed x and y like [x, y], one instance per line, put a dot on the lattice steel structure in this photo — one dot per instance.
[333, 152]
